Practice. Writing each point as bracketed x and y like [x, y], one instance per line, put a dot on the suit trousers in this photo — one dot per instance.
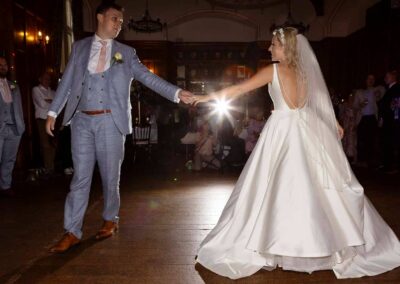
[9, 143]
[93, 138]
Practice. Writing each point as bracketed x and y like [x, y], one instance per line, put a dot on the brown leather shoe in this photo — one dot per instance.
[68, 240]
[109, 228]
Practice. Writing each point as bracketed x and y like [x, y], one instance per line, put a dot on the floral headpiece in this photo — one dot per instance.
[280, 34]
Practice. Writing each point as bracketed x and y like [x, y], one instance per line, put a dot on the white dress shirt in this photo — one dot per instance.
[5, 88]
[370, 102]
[95, 54]
[40, 94]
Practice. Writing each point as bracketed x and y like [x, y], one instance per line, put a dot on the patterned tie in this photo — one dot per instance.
[5, 91]
[102, 58]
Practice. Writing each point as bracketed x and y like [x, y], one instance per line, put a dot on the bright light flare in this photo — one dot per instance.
[222, 107]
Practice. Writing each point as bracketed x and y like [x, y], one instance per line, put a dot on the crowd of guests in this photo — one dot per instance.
[370, 117]
[223, 142]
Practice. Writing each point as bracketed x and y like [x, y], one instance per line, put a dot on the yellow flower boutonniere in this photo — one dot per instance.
[117, 58]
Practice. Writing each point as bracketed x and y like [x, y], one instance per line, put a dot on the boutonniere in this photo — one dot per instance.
[12, 87]
[117, 58]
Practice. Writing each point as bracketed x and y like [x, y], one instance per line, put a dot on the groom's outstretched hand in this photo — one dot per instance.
[186, 97]
[50, 121]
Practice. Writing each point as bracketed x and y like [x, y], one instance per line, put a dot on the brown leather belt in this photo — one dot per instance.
[96, 112]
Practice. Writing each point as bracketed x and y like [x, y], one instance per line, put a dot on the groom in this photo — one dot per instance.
[95, 88]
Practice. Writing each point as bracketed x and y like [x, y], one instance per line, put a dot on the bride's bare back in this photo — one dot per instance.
[291, 85]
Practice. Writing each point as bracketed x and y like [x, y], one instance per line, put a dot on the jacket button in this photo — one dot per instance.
[90, 88]
[101, 102]
[77, 97]
[83, 83]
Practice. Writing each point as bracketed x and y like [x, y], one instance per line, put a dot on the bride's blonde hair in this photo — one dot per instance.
[287, 38]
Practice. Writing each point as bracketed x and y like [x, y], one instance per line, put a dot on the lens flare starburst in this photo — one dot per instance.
[222, 108]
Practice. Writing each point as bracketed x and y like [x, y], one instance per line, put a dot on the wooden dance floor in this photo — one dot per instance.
[164, 217]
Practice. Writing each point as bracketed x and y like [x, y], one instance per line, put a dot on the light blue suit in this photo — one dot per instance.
[99, 137]
[12, 127]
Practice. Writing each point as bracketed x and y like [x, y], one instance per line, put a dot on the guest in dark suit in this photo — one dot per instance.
[366, 113]
[390, 121]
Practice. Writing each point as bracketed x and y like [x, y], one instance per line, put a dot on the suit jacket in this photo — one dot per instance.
[17, 107]
[385, 108]
[70, 89]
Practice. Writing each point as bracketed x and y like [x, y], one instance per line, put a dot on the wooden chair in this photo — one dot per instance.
[141, 140]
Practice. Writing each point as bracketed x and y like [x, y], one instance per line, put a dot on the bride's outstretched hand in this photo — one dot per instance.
[202, 99]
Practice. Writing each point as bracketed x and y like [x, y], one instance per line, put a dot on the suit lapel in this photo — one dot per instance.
[11, 92]
[114, 49]
[87, 48]
[1, 97]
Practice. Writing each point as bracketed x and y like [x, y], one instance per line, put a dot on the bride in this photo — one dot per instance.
[297, 203]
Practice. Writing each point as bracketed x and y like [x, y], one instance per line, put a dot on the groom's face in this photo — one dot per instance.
[110, 22]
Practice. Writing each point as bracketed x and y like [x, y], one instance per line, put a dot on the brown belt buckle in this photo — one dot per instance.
[96, 112]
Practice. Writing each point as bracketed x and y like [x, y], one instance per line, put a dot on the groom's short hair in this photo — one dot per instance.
[105, 5]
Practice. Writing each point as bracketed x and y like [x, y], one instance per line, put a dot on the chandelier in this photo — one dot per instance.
[244, 4]
[146, 24]
[290, 22]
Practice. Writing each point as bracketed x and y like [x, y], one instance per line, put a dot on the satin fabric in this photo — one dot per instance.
[280, 215]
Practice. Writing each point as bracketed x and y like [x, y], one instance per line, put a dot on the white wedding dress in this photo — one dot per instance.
[279, 215]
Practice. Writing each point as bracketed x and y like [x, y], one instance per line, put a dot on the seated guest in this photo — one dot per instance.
[204, 149]
[236, 154]
[254, 129]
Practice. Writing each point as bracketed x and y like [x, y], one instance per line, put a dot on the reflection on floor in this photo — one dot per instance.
[164, 216]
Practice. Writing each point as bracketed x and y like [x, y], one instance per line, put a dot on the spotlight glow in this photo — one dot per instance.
[222, 106]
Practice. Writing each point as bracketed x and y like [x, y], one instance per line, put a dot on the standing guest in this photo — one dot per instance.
[365, 102]
[43, 96]
[348, 119]
[95, 88]
[12, 127]
[389, 120]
